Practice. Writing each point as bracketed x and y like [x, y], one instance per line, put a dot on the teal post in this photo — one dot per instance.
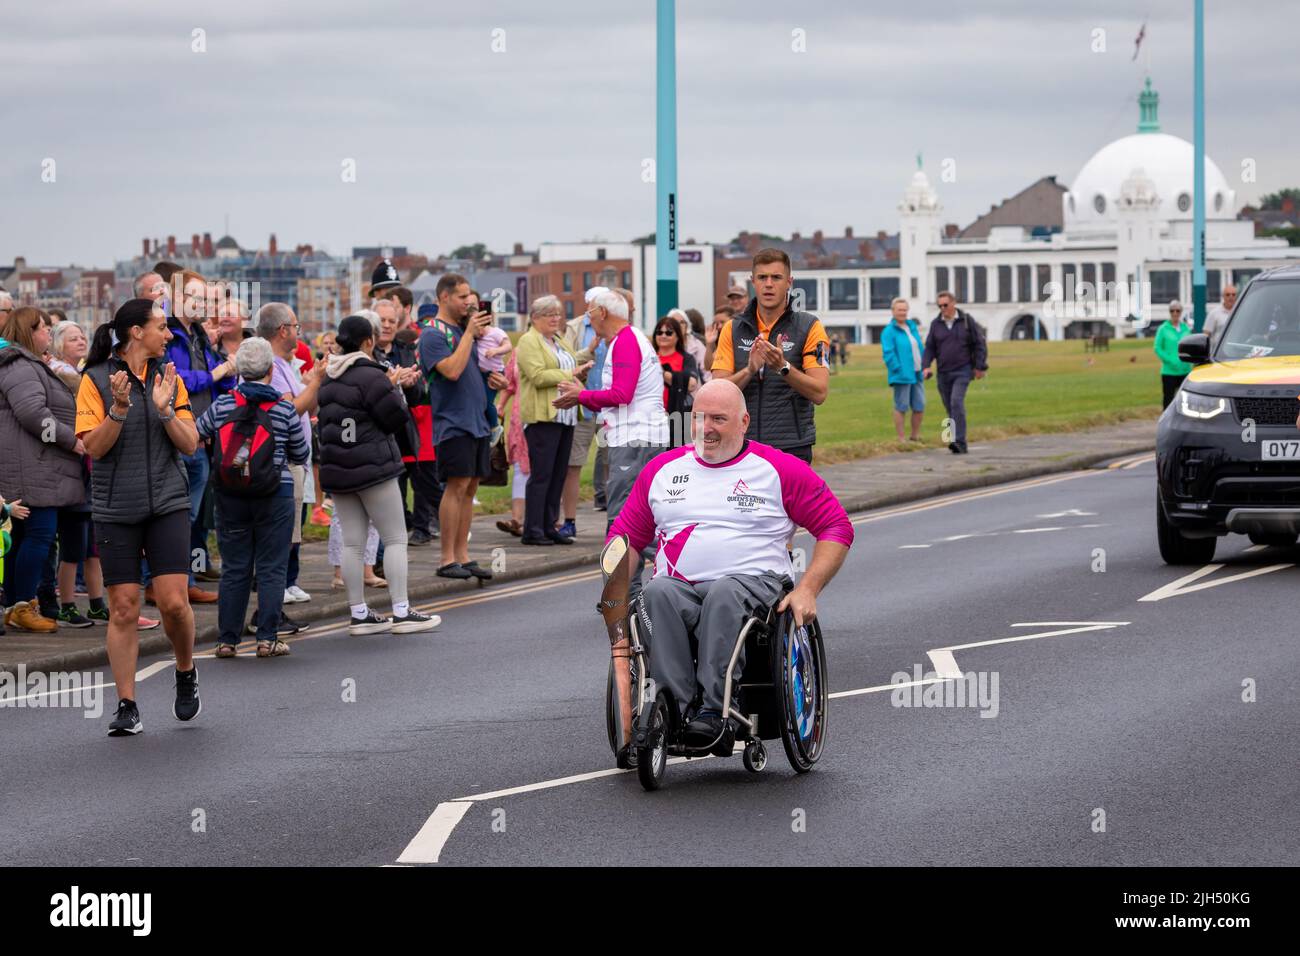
[1198, 171]
[666, 224]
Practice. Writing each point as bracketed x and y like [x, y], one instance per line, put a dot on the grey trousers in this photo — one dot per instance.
[952, 389]
[625, 463]
[714, 612]
[380, 505]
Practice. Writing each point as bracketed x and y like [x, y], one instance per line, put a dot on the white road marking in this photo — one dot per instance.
[428, 843]
[971, 496]
[881, 688]
[1082, 627]
[1141, 461]
[1072, 513]
[945, 665]
[994, 534]
[1185, 585]
[154, 668]
[1254, 547]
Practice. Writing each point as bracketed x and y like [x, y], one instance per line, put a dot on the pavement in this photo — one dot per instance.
[1126, 713]
[860, 485]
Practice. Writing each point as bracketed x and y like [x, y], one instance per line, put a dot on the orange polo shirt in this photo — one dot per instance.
[724, 358]
[91, 411]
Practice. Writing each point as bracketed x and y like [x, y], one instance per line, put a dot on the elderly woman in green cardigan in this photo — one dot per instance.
[545, 359]
[1172, 369]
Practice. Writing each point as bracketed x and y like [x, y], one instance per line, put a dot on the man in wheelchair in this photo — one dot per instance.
[722, 513]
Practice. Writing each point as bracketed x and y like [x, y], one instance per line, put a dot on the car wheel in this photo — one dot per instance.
[1175, 548]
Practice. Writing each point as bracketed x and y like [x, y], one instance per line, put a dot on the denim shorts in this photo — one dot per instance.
[905, 395]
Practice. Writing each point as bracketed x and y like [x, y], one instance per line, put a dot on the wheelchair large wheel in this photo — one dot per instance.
[799, 665]
[651, 761]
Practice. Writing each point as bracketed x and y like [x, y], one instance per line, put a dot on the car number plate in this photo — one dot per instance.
[1278, 450]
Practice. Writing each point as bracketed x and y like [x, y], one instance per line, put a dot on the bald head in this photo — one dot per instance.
[720, 420]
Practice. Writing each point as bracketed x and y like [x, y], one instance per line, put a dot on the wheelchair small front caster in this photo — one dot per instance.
[755, 756]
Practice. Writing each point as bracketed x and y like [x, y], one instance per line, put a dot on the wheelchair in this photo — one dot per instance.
[780, 692]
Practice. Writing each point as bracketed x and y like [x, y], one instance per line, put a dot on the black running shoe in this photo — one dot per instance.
[69, 616]
[187, 704]
[126, 722]
[372, 623]
[288, 625]
[457, 571]
[703, 730]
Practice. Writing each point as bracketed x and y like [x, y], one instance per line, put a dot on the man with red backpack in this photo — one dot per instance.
[256, 436]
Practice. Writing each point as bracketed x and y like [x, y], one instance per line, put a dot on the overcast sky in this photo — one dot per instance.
[455, 143]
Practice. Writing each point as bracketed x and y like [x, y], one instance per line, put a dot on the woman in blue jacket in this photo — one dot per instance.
[901, 348]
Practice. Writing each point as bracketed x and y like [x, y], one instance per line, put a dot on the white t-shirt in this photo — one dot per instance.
[630, 399]
[710, 521]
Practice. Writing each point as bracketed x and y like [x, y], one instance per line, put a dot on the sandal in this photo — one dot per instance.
[337, 584]
[225, 650]
[511, 527]
[376, 582]
[276, 648]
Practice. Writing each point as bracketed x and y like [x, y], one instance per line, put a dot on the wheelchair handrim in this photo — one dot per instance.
[803, 691]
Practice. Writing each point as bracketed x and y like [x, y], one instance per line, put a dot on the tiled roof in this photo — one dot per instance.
[1037, 205]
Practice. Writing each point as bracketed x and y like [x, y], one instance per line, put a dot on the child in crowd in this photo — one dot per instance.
[14, 509]
[493, 347]
[335, 551]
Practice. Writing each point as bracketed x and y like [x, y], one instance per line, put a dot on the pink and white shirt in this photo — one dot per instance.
[711, 521]
[630, 399]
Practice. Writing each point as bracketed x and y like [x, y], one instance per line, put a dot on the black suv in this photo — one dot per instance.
[1228, 447]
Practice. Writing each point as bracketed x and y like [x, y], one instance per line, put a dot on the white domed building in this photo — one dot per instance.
[1124, 227]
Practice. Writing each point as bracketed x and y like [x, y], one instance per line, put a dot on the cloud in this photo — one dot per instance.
[455, 143]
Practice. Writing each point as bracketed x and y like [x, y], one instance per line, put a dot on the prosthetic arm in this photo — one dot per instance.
[616, 566]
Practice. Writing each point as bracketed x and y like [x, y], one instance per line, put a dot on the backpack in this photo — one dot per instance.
[976, 337]
[245, 454]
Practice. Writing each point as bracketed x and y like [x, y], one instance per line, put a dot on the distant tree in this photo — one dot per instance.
[1291, 234]
[1275, 200]
[764, 236]
[474, 252]
[647, 240]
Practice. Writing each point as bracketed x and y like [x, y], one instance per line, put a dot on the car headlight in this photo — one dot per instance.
[1195, 405]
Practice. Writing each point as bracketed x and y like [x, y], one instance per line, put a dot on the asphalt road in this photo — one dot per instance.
[1136, 714]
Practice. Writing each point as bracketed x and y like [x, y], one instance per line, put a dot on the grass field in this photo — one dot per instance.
[1031, 387]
